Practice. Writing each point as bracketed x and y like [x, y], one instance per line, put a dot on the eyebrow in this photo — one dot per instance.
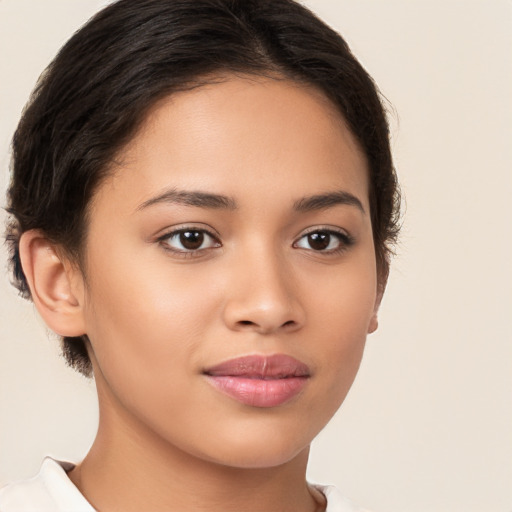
[327, 200]
[219, 201]
[192, 198]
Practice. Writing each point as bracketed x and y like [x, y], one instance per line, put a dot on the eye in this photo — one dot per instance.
[324, 240]
[188, 240]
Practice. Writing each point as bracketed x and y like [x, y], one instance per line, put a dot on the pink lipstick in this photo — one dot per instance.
[260, 381]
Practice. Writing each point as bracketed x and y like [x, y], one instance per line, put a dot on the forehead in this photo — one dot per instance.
[238, 133]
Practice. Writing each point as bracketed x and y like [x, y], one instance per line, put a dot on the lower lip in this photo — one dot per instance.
[259, 392]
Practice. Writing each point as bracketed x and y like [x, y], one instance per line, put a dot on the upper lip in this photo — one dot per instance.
[277, 366]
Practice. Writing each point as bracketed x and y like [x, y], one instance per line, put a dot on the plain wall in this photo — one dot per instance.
[428, 423]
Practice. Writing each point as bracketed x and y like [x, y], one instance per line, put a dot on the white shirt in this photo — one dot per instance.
[52, 491]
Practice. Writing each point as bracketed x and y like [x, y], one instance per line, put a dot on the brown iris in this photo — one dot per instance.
[191, 240]
[319, 240]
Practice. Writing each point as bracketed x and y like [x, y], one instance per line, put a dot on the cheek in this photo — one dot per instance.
[343, 301]
[343, 311]
[146, 334]
[144, 318]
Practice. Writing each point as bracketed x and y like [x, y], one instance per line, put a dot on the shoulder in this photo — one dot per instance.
[49, 491]
[336, 502]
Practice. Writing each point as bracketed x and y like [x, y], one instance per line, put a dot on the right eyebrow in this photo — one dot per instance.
[191, 198]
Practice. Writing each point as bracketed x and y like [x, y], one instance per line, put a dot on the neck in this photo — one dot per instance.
[130, 468]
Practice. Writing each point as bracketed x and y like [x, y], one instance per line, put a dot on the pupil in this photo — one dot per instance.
[191, 239]
[319, 241]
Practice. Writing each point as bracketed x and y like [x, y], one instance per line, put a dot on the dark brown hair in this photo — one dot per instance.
[92, 98]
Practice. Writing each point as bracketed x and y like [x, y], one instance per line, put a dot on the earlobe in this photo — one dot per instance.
[54, 285]
[374, 320]
[374, 323]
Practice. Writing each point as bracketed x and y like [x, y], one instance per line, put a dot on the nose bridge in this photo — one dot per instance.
[263, 293]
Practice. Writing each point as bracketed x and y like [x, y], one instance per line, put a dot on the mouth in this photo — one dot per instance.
[260, 381]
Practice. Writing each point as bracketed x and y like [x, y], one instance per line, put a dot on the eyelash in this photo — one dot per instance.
[187, 253]
[344, 241]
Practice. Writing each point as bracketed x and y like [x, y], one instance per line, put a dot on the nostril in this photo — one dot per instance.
[248, 323]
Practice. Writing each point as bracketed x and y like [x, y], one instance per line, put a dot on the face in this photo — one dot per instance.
[231, 276]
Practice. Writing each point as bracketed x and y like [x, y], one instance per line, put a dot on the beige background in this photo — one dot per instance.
[428, 424]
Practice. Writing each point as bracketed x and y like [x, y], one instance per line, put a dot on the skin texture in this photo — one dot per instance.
[158, 315]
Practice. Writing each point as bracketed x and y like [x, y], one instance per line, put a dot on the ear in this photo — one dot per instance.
[374, 320]
[56, 286]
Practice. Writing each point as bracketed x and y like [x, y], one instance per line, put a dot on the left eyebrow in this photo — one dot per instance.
[327, 200]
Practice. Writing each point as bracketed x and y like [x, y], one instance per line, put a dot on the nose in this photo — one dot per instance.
[263, 296]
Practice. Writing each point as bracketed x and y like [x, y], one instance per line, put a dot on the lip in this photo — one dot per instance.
[259, 380]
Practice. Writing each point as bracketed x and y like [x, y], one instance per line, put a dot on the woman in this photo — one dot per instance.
[202, 206]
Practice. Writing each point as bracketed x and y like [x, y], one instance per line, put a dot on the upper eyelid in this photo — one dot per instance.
[328, 229]
[168, 232]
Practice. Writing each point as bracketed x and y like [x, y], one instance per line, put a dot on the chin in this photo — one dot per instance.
[264, 452]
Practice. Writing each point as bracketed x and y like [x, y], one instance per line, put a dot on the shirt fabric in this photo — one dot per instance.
[51, 490]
